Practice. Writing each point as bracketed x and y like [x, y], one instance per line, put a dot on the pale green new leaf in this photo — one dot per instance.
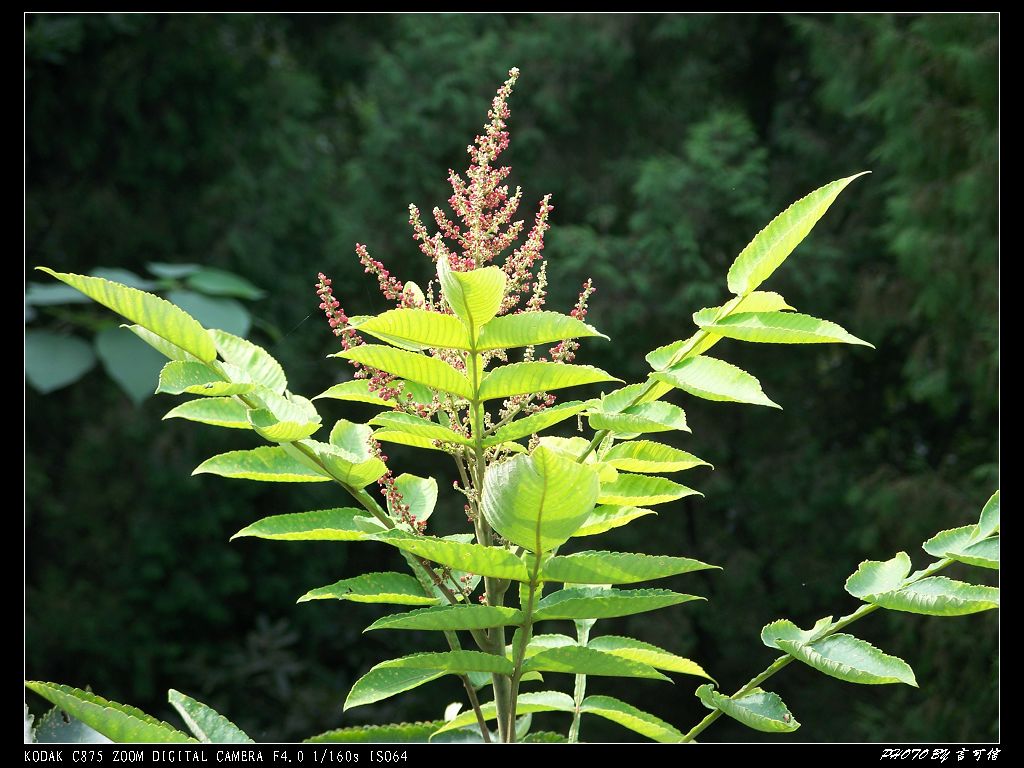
[474, 296]
[340, 524]
[989, 521]
[777, 328]
[534, 423]
[451, 617]
[206, 724]
[851, 659]
[587, 603]
[356, 391]
[267, 463]
[526, 378]
[647, 456]
[784, 629]
[151, 312]
[178, 377]
[962, 544]
[873, 577]
[259, 364]
[527, 703]
[418, 328]
[538, 501]
[635, 490]
[713, 379]
[577, 660]
[606, 517]
[415, 425]
[474, 558]
[939, 596]
[418, 493]
[218, 411]
[630, 717]
[348, 455]
[758, 709]
[531, 328]
[640, 419]
[118, 722]
[283, 420]
[397, 675]
[616, 567]
[413, 366]
[775, 242]
[659, 658]
[387, 588]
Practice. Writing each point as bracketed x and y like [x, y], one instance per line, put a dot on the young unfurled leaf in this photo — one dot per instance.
[258, 364]
[538, 501]
[775, 242]
[474, 296]
[418, 493]
[758, 709]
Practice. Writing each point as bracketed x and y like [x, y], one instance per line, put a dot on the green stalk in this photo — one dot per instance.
[580, 690]
[784, 661]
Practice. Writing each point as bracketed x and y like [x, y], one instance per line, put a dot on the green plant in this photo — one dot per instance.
[450, 353]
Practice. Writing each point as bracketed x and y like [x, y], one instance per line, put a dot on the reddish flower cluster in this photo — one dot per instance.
[390, 286]
[565, 351]
[396, 502]
[336, 317]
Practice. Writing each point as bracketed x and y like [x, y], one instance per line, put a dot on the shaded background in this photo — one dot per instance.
[269, 145]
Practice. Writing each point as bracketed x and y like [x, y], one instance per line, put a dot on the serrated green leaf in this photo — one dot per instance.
[616, 567]
[577, 660]
[451, 617]
[605, 517]
[179, 377]
[648, 456]
[267, 463]
[129, 362]
[640, 419]
[419, 328]
[54, 360]
[283, 420]
[57, 726]
[758, 709]
[775, 242]
[474, 296]
[538, 501]
[583, 603]
[938, 596]
[415, 425]
[397, 733]
[713, 379]
[207, 725]
[526, 378]
[348, 456]
[217, 282]
[218, 411]
[778, 328]
[635, 490]
[118, 722]
[341, 524]
[989, 521]
[398, 675]
[475, 558]
[388, 588]
[652, 655]
[356, 391]
[527, 703]
[531, 328]
[784, 629]
[848, 658]
[151, 312]
[630, 717]
[214, 311]
[534, 423]
[413, 366]
[404, 438]
[962, 544]
[259, 365]
[875, 576]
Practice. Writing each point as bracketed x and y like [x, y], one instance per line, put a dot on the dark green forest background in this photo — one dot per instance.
[270, 145]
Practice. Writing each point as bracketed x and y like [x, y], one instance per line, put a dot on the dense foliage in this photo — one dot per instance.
[659, 143]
